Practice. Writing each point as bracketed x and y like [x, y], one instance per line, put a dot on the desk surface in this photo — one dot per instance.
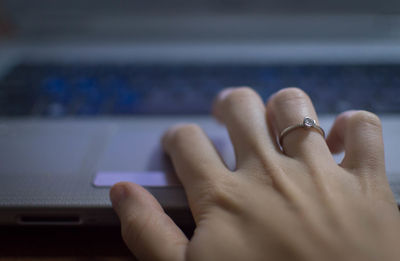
[62, 243]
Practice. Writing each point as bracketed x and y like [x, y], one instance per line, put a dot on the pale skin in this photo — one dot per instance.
[296, 204]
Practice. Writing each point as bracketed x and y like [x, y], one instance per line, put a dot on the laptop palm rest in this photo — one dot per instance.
[46, 161]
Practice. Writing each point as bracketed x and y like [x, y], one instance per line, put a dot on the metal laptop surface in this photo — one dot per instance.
[50, 167]
[57, 171]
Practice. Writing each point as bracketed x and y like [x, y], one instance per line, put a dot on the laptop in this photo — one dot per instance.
[88, 87]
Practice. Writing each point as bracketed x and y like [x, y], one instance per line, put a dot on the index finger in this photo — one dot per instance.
[196, 161]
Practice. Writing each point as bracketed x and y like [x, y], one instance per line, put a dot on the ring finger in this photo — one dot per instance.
[288, 107]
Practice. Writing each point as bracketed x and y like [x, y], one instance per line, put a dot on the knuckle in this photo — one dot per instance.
[366, 118]
[216, 194]
[289, 94]
[221, 193]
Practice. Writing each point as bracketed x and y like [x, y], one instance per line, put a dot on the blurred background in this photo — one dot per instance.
[200, 20]
[98, 57]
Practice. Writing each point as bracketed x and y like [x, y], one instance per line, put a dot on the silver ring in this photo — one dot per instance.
[307, 124]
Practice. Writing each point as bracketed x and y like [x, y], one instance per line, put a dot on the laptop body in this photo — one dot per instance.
[59, 159]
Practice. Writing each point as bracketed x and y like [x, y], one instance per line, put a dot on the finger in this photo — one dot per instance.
[335, 139]
[360, 134]
[148, 232]
[195, 159]
[288, 107]
[243, 112]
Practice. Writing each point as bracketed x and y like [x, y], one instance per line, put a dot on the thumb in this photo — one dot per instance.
[148, 232]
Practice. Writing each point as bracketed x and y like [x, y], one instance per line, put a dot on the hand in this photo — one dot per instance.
[296, 205]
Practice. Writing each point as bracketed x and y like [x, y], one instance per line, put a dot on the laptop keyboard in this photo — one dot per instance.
[58, 90]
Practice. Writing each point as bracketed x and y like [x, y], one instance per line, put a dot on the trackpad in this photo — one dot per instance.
[139, 159]
[147, 178]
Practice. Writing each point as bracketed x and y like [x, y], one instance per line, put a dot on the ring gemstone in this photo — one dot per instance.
[308, 122]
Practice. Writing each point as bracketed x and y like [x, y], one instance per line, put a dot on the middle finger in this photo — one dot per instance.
[243, 112]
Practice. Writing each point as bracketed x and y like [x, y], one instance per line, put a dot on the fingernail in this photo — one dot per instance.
[225, 93]
[349, 113]
[117, 195]
[346, 114]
